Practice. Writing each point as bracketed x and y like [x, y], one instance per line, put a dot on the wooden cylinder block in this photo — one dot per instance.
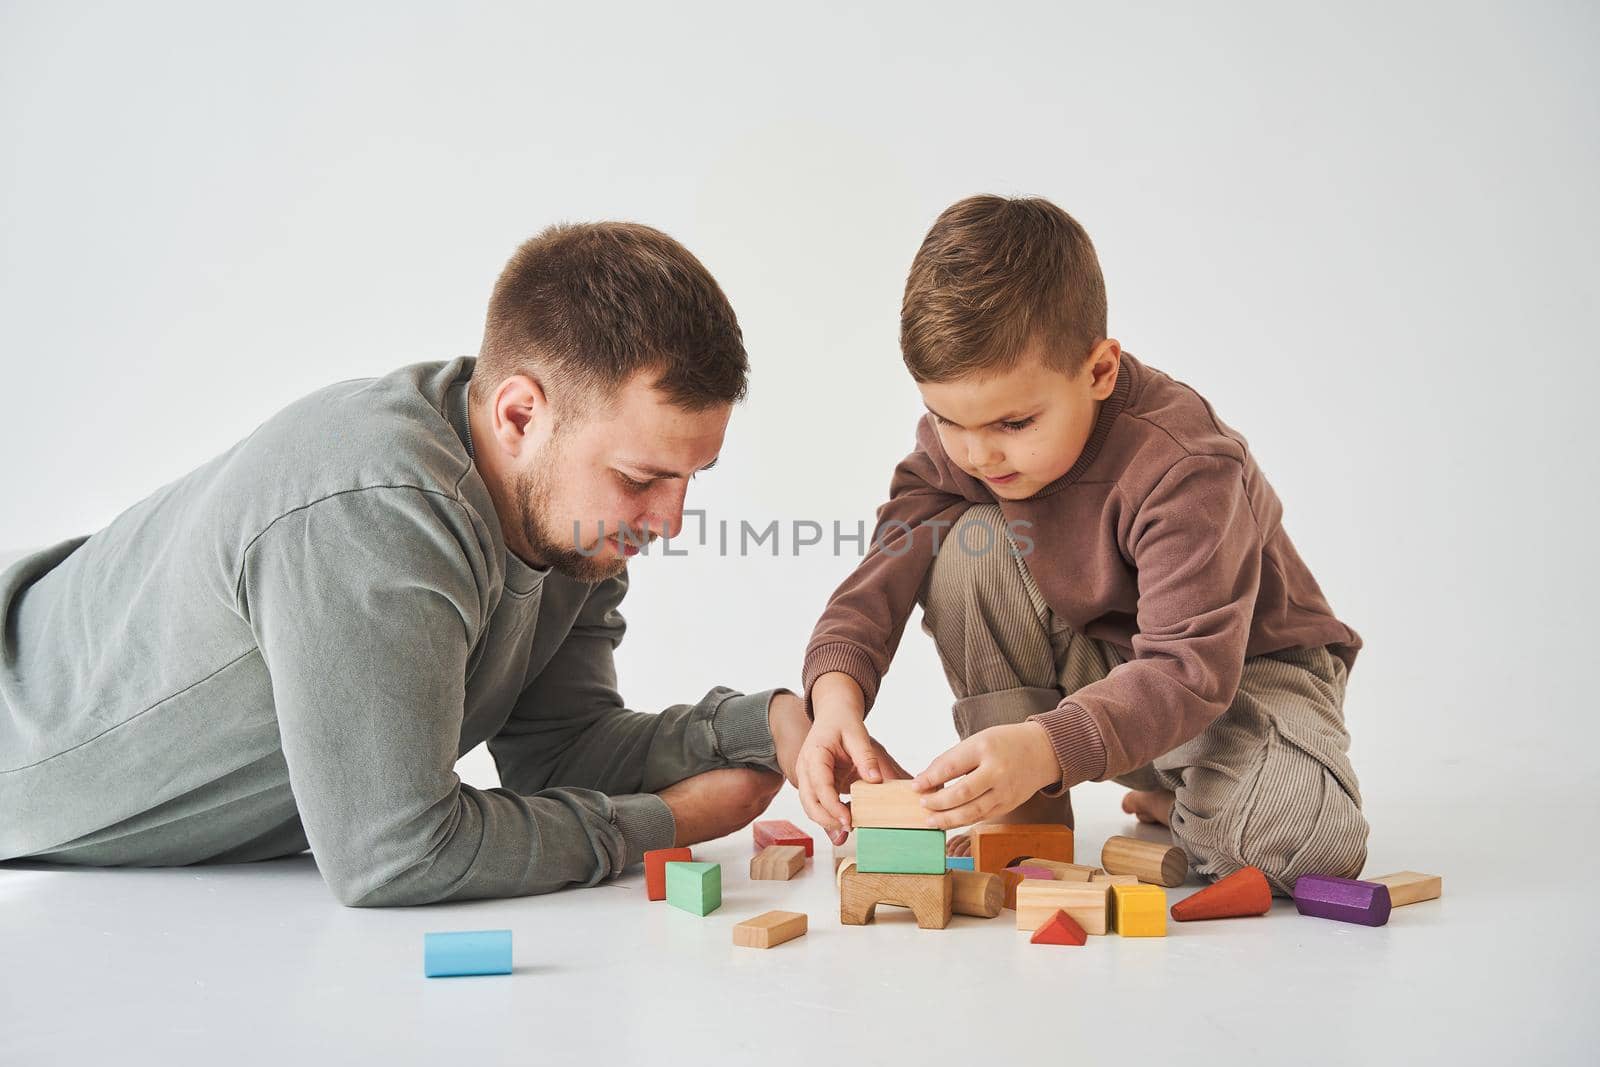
[1145, 860]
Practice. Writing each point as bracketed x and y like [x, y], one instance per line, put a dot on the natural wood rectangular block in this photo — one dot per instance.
[889, 805]
[1409, 887]
[770, 928]
[777, 863]
[1086, 902]
[1064, 872]
[1114, 879]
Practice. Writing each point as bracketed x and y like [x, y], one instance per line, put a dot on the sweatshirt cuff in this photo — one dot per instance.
[646, 824]
[1079, 748]
[743, 729]
[846, 659]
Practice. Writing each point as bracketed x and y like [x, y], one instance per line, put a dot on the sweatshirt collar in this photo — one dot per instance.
[1110, 408]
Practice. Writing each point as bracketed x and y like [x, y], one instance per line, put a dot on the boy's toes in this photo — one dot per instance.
[1149, 806]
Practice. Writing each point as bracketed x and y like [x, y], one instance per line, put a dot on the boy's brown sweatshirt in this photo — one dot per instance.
[1164, 539]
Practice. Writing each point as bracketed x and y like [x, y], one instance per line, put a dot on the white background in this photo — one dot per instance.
[1367, 231]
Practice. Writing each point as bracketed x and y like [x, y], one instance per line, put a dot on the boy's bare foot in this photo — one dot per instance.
[1150, 805]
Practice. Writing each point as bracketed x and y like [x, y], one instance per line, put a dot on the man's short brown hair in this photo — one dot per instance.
[589, 305]
[994, 278]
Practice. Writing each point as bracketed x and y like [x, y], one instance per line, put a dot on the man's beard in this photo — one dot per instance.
[558, 549]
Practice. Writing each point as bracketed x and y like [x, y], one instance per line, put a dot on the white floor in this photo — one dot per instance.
[257, 964]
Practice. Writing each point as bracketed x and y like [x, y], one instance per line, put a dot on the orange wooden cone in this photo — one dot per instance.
[1244, 892]
[1059, 929]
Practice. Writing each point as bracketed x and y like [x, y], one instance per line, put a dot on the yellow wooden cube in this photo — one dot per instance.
[1140, 910]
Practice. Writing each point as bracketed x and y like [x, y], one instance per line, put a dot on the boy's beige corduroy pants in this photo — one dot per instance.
[1269, 784]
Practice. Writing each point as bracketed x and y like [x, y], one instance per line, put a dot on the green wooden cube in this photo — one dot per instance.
[694, 887]
[884, 851]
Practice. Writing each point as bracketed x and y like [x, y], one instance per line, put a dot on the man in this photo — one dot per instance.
[291, 646]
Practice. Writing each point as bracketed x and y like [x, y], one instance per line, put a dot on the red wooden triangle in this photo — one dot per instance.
[1059, 929]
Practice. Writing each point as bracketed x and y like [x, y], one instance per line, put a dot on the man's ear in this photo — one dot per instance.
[1105, 360]
[520, 414]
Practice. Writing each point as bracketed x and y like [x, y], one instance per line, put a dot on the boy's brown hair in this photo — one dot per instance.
[994, 278]
[588, 305]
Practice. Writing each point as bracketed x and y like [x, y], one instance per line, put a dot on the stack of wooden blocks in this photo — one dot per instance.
[898, 859]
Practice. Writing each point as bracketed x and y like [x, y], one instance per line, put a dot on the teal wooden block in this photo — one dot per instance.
[694, 887]
[958, 863]
[884, 851]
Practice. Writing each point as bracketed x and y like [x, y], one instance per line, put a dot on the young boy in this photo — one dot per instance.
[1104, 571]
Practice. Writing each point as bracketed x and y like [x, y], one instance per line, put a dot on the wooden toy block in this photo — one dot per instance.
[1012, 877]
[461, 952]
[1145, 860]
[1344, 899]
[655, 869]
[694, 887]
[889, 851]
[781, 832]
[1409, 887]
[1061, 872]
[777, 863]
[929, 896]
[887, 805]
[1139, 910]
[1087, 903]
[996, 846]
[1244, 892]
[958, 863]
[1113, 879]
[976, 893]
[1059, 929]
[846, 863]
[769, 929]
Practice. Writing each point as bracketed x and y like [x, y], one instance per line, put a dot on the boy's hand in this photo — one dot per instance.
[999, 769]
[837, 752]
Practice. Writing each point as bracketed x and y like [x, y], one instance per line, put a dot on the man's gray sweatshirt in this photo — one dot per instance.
[291, 646]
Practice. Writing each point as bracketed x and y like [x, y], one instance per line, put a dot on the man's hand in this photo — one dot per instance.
[716, 803]
[838, 752]
[999, 769]
[786, 717]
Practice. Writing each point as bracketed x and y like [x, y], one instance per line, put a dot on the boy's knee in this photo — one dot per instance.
[1295, 832]
[974, 566]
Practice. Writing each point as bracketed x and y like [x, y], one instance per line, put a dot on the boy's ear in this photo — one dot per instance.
[1104, 363]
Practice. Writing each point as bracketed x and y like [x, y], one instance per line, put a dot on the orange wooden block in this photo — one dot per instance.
[996, 846]
[1059, 929]
[655, 869]
[1244, 892]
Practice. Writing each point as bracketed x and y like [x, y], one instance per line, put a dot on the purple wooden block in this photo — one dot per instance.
[1344, 899]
